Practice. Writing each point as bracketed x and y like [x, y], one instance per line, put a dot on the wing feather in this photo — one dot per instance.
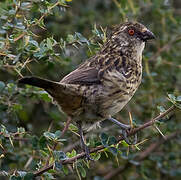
[83, 75]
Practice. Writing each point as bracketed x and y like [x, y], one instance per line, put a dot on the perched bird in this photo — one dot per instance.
[103, 84]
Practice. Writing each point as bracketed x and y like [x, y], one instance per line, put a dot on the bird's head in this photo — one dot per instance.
[132, 34]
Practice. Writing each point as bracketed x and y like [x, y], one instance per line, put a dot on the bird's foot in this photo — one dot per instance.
[125, 131]
[87, 153]
[83, 144]
[129, 140]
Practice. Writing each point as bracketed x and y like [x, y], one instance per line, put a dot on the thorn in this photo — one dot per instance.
[131, 120]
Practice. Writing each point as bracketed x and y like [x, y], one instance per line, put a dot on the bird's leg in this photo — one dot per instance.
[82, 141]
[125, 128]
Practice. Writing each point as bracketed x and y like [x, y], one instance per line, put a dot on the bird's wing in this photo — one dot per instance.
[83, 75]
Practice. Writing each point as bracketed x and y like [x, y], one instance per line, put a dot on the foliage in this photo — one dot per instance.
[49, 39]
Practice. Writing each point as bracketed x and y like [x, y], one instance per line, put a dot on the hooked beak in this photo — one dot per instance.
[146, 35]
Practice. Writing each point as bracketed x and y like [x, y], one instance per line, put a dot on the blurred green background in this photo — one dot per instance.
[50, 39]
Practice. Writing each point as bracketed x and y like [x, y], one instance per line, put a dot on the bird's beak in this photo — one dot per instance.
[146, 35]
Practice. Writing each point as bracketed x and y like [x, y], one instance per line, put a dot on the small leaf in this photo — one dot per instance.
[73, 127]
[34, 142]
[104, 138]
[112, 140]
[98, 178]
[81, 38]
[42, 142]
[124, 143]
[65, 170]
[15, 178]
[172, 98]
[49, 43]
[161, 109]
[57, 134]
[28, 176]
[60, 155]
[2, 85]
[136, 163]
[73, 153]
[96, 156]
[21, 130]
[11, 141]
[44, 95]
[58, 165]
[82, 171]
[70, 38]
[49, 135]
[17, 107]
[178, 99]
[22, 173]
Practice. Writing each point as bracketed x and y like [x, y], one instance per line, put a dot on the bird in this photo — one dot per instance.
[103, 84]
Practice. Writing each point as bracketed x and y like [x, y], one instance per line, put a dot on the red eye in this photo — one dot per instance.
[131, 32]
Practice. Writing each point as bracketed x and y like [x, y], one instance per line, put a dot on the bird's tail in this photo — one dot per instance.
[38, 82]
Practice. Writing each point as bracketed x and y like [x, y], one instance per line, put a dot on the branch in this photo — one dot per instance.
[132, 132]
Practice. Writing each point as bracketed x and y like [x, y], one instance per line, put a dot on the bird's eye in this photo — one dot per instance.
[131, 32]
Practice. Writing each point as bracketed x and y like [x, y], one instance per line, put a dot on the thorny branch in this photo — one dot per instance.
[99, 148]
[143, 155]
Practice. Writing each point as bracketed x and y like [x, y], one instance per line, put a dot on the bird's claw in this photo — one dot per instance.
[87, 154]
[125, 130]
[127, 140]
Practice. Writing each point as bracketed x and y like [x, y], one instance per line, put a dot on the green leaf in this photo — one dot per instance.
[21, 130]
[59, 155]
[42, 142]
[44, 95]
[136, 163]
[73, 153]
[58, 165]
[104, 138]
[124, 143]
[28, 176]
[161, 109]
[178, 98]
[49, 43]
[65, 170]
[96, 156]
[57, 134]
[34, 142]
[33, 42]
[15, 178]
[17, 107]
[81, 38]
[70, 38]
[22, 173]
[44, 153]
[113, 150]
[72, 127]
[172, 98]
[112, 140]
[2, 85]
[49, 135]
[82, 171]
